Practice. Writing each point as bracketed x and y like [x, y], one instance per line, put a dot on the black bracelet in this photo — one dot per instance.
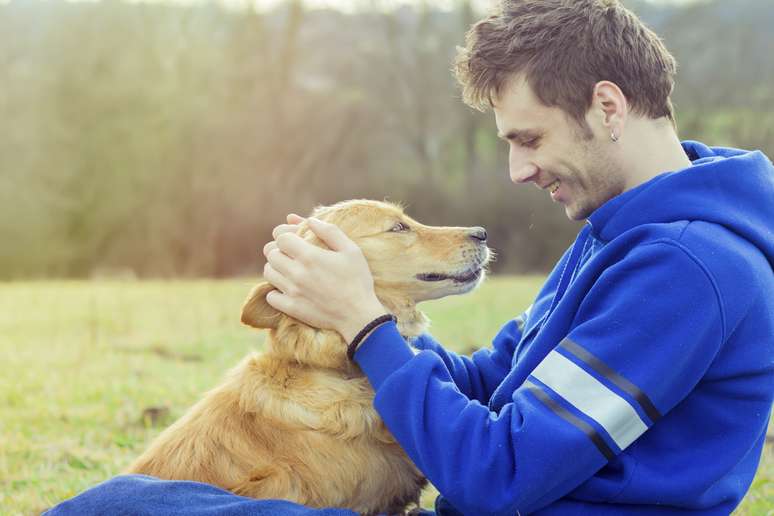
[368, 327]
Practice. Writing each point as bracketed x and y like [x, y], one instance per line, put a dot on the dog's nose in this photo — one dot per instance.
[478, 234]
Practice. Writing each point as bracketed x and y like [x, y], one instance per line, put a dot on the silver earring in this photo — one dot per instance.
[613, 137]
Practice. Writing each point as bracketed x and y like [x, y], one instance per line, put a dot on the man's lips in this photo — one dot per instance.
[552, 187]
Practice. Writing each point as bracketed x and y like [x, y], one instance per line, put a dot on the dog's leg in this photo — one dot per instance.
[269, 481]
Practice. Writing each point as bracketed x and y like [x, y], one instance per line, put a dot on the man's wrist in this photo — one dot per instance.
[360, 320]
[363, 334]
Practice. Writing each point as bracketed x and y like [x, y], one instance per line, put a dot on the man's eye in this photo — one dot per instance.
[531, 143]
[399, 227]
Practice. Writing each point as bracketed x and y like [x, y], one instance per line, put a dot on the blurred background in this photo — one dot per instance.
[166, 139]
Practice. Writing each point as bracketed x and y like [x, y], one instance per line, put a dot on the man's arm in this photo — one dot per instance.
[341, 297]
[633, 354]
[479, 375]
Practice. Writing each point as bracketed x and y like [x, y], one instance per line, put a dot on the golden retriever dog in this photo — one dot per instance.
[297, 422]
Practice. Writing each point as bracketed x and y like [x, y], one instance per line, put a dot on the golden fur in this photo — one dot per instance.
[297, 422]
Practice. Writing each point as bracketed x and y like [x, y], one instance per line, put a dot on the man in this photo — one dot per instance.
[640, 381]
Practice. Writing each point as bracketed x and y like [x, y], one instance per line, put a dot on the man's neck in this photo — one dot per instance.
[652, 147]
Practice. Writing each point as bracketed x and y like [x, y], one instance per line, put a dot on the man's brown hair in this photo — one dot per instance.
[563, 48]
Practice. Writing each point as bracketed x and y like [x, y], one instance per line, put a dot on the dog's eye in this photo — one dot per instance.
[399, 227]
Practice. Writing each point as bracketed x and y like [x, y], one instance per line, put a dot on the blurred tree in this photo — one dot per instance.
[168, 140]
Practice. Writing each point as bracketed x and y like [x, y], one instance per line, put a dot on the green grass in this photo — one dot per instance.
[82, 361]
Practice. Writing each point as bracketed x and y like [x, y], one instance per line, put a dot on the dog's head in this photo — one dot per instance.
[410, 262]
[408, 259]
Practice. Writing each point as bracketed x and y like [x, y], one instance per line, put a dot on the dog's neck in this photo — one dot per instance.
[411, 321]
[297, 342]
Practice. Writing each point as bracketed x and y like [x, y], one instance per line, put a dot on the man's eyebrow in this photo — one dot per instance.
[520, 134]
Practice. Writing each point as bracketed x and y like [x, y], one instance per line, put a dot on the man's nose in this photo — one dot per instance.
[523, 173]
[478, 233]
[521, 169]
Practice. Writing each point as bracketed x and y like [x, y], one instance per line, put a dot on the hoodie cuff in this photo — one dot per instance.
[383, 352]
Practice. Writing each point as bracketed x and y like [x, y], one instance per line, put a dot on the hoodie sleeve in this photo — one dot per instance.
[643, 337]
[479, 375]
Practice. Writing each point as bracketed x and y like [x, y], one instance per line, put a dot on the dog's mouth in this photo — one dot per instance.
[469, 275]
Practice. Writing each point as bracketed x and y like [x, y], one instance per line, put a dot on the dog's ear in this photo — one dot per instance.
[256, 312]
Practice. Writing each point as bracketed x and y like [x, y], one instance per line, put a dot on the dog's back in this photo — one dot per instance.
[278, 429]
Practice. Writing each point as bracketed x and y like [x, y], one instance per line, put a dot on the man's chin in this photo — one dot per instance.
[576, 213]
[581, 209]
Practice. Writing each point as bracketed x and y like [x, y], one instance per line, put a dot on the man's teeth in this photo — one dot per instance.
[553, 187]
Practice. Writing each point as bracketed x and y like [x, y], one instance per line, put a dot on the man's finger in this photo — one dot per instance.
[294, 246]
[269, 247]
[279, 301]
[330, 234]
[286, 304]
[282, 263]
[292, 218]
[277, 280]
[284, 228]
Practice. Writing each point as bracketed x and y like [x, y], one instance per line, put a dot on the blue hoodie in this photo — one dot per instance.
[640, 381]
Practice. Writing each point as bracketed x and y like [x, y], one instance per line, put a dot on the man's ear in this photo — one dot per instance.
[256, 312]
[610, 105]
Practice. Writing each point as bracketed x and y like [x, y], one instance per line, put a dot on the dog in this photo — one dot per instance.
[297, 422]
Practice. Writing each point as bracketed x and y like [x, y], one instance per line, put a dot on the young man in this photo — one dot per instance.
[640, 381]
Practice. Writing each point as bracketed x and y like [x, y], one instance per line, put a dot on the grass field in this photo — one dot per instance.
[88, 367]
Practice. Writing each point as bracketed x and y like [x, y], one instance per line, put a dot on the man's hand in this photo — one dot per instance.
[330, 289]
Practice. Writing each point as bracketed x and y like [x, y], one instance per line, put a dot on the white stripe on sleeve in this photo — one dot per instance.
[591, 397]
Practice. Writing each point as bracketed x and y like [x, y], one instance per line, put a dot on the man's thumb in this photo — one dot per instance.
[330, 234]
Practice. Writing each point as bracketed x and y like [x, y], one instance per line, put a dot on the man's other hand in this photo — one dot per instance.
[325, 288]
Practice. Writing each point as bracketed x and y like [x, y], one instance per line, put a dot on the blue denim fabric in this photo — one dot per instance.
[140, 495]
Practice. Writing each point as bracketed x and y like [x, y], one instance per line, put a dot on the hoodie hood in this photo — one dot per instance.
[730, 187]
